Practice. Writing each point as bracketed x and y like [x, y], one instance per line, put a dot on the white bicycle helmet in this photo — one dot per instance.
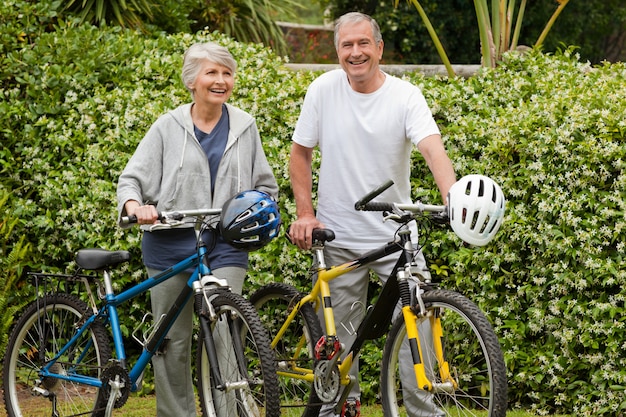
[476, 209]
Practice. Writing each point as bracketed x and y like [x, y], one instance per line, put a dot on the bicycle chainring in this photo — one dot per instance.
[112, 373]
[326, 388]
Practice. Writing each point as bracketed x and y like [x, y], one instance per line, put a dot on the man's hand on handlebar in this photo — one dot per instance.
[300, 231]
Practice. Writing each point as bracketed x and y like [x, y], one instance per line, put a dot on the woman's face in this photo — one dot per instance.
[213, 84]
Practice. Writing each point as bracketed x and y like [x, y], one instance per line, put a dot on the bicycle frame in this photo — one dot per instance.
[109, 312]
[378, 319]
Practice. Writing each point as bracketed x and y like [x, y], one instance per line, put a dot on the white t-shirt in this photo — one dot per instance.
[364, 140]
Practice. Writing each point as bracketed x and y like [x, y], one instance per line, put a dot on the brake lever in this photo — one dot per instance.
[390, 216]
[168, 221]
[164, 226]
[397, 215]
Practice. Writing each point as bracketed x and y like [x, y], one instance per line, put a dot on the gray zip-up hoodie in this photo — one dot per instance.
[170, 169]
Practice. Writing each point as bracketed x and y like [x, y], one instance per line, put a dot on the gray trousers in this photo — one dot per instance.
[349, 301]
[172, 371]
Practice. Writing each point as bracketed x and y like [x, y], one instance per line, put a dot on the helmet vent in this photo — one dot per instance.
[481, 188]
[475, 219]
[243, 216]
[251, 226]
[249, 239]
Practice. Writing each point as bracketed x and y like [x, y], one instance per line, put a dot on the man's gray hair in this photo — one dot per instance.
[356, 17]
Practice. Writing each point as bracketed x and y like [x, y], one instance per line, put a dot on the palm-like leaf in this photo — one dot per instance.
[495, 28]
[248, 20]
[126, 13]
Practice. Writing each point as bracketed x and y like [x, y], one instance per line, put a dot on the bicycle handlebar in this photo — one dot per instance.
[440, 212]
[360, 205]
[375, 206]
[177, 215]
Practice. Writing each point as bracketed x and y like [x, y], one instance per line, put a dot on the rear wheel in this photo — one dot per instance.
[247, 385]
[472, 351]
[295, 351]
[45, 326]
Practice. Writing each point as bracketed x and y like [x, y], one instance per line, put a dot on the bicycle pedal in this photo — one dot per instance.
[327, 347]
[351, 408]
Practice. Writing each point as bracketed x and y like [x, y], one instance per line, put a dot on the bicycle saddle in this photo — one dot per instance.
[323, 235]
[319, 235]
[93, 259]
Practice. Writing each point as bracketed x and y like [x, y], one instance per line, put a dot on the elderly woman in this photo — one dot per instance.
[195, 156]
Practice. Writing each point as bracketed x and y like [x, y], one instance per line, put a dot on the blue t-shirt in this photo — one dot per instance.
[164, 248]
[214, 143]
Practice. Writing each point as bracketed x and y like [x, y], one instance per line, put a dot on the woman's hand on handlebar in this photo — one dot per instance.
[146, 214]
[301, 231]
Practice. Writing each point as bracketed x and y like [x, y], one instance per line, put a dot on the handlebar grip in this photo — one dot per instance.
[377, 206]
[359, 205]
[132, 219]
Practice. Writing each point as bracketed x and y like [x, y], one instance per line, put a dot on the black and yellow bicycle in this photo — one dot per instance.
[459, 364]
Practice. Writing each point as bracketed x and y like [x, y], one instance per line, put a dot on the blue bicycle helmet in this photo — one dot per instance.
[249, 220]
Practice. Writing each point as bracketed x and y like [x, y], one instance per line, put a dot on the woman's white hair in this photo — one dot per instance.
[198, 53]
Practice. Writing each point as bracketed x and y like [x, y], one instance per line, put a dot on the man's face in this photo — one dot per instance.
[358, 53]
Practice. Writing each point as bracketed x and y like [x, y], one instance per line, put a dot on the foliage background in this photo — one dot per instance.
[75, 101]
[597, 27]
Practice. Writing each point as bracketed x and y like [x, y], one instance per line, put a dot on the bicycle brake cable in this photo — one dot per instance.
[207, 226]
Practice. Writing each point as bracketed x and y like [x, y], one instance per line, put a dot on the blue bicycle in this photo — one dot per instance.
[60, 361]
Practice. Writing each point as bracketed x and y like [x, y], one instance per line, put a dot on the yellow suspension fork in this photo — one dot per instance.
[437, 331]
[417, 351]
[410, 320]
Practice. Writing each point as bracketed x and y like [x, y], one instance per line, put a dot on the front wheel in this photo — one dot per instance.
[46, 326]
[247, 385]
[472, 351]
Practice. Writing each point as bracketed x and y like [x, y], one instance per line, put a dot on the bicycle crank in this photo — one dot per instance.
[115, 387]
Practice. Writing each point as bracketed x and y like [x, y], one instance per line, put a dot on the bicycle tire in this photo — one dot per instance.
[472, 350]
[45, 326]
[274, 301]
[252, 382]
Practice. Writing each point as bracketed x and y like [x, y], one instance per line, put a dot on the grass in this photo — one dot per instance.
[146, 405]
[376, 411]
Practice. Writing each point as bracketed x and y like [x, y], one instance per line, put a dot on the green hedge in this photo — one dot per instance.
[550, 129]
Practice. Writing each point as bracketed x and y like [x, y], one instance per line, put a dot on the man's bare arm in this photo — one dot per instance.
[436, 157]
[300, 171]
